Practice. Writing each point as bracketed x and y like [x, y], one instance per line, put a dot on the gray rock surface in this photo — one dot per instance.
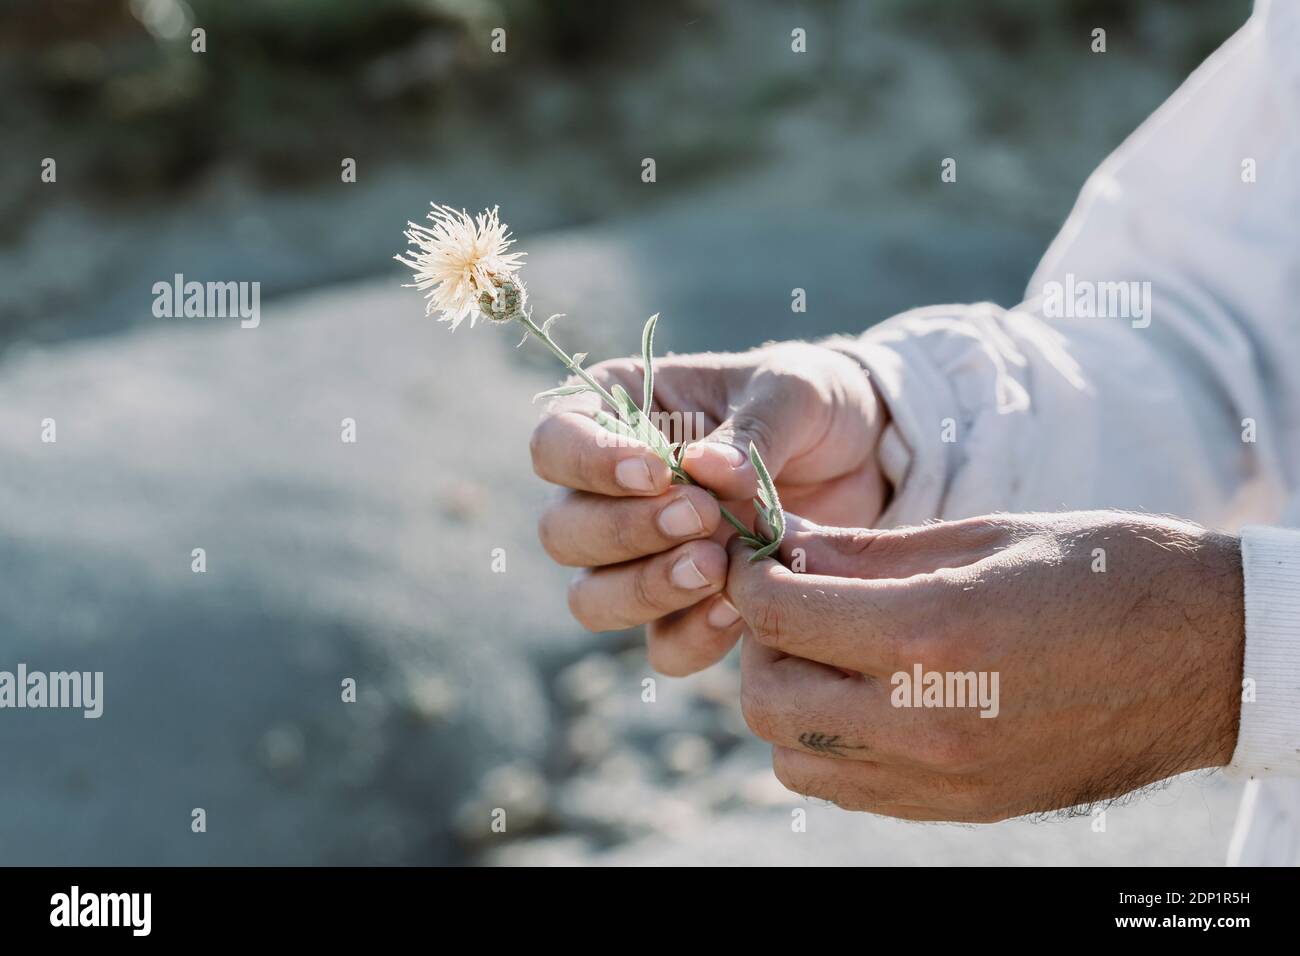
[373, 560]
[325, 560]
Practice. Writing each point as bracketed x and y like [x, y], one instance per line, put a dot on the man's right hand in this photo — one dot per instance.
[652, 552]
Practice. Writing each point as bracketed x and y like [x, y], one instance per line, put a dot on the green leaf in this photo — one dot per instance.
[546, 326]
[615, 425]
[766, 487]
[765, 551]
[647, 356]
[639, 425]
[653, 437]
[768, 505]
[578, 358]
[562, 390]
[626, 407]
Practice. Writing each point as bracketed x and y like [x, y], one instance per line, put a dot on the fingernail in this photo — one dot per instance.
[686, 575]
[723, 614]
[680, 519]
[734, 456]
[634, 474]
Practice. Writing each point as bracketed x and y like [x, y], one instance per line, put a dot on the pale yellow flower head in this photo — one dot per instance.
[463, 264]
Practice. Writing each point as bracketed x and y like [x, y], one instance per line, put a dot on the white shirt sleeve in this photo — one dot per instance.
[1193, 408]
[1186, 401]
[1269, 739]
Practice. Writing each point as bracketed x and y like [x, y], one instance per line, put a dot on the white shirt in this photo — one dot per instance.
[1185, 403]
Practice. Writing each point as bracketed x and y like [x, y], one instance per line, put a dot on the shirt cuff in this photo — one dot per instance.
[1268, 741]
[913, 455]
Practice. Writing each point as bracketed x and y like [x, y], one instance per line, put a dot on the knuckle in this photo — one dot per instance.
[831, 785]
[559, 543]
[537, 448]
[645, 589]
[595, 470]
[548, 534]
[952, 638]
[755, 429]
[856, 542]
[712, 646]
[624, 534]
[578, 606]
[666, 661]
[755, 707]
[786, 372]
[887, 545]
[765, 620]
[931, 651]
[786, 770]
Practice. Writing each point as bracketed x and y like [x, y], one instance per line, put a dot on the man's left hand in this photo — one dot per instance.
[1109, 646]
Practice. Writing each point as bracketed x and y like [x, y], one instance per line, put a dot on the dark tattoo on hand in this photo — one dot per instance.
[826, 744]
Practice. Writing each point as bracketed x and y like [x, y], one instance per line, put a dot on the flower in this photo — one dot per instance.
[463, 264]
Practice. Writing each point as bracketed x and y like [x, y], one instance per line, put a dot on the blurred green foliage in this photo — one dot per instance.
[281, 83]
[113, 84]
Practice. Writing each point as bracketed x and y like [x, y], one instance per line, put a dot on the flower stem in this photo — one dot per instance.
[569, 363]
[545, 338]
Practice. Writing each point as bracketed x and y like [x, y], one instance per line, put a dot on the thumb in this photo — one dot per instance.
[720, 461]
[865, 552]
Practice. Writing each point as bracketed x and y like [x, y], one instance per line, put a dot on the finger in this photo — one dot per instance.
[800, 703]
[781, 422]
[849, 784]
[625, 595]
[883, 553]
[693, 639]
[571, 450]
[863, 625]
[908, 792]
[942, 814]
[585, 530]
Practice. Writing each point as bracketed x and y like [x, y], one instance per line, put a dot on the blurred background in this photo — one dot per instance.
[373, 561]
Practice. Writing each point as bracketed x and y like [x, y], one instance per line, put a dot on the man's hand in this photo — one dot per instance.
[1116, 640]
[652, 552]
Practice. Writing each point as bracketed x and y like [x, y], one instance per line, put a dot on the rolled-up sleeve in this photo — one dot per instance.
[1268, 741]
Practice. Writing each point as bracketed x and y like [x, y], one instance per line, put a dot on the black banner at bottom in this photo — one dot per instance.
[335, 906]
